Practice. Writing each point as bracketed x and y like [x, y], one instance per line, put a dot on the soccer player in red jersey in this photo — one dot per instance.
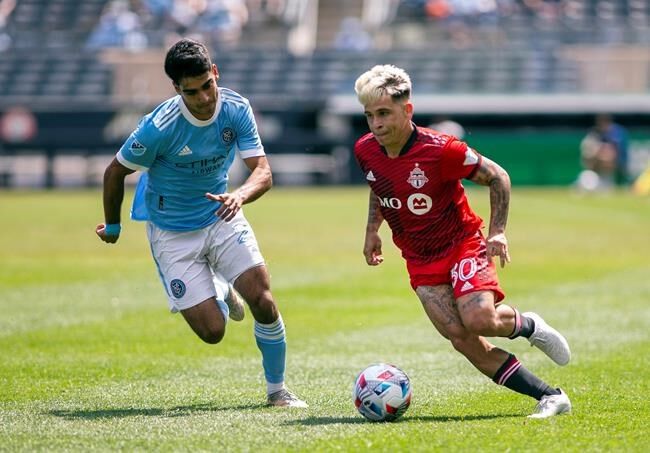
[415, 176]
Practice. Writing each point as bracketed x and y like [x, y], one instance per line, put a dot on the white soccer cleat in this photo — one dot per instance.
[285, 398]
[235, 304]
[548, 340]
[551, 405]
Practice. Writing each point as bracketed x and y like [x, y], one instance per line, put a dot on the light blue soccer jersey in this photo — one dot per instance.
[185, 157]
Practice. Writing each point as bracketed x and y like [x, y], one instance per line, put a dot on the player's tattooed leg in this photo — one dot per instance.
[438, 302]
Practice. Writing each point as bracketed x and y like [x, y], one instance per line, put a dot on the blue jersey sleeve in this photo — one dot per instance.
[248, 139]
[141, 148]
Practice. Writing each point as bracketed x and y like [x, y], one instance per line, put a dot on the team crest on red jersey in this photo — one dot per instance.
[417, 178]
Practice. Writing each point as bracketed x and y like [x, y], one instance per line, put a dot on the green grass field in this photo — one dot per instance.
[90, 358]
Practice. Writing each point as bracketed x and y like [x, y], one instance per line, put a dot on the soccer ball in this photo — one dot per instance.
[382, 392]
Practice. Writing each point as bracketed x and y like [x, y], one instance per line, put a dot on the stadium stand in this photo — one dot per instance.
[512, 49]
[60, 56]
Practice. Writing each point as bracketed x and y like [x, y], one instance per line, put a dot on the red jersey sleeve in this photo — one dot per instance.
[357, 155]
[458, 161]
[360, 151]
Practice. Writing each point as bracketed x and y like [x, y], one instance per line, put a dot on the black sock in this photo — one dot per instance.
[524, 326]
[515, 376]
[527, 327]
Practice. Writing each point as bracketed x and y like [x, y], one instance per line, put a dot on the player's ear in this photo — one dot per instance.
[177, 88]
[409, 109]
[215, 71]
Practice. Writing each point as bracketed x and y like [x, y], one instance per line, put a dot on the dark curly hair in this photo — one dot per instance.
[187, 58]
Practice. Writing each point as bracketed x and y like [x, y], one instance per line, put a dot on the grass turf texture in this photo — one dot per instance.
[91, 359]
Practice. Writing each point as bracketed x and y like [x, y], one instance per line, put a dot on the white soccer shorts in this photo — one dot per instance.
[186, 261]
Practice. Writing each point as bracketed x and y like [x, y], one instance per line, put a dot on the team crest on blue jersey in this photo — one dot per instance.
[137, 148]
[178, 288]
[417, 178]
[227, 135]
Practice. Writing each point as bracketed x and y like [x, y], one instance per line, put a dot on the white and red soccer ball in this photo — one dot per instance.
[382, 392]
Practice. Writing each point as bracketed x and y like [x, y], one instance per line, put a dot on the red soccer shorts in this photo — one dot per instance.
[466, 268]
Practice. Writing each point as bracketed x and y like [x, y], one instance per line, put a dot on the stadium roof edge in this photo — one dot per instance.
[510, 103]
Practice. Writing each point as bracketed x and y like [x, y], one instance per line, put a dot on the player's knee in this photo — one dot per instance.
[212, 335]
[461, 344]
[263, 301]
[460, 339]
[482, 324]
[263, 307]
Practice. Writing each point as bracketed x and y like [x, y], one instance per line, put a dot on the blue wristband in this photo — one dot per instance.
[112, 229]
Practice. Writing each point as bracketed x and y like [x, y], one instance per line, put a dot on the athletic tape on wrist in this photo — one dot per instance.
[112, 229]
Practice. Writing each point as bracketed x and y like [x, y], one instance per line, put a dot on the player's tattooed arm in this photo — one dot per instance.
[372, 244]
[496, 178]
[374, 213]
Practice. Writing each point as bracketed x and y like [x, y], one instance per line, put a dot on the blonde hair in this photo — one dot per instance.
[383, 80]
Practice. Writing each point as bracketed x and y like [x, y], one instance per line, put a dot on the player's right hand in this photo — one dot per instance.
[497, 245]
[231, 203]
[99, 230]
[372, 249]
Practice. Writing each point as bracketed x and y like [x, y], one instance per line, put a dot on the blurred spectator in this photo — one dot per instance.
[379, 13]
[464, 20]
[218, 21]
[6, 7]
[449, 127]
[222, 21]
[293, 11]
[159, 8]
[184, 13]
[119, 26]
[603, 152]
[265, 10]
[543, 9]
[438, 9]
[352, 36]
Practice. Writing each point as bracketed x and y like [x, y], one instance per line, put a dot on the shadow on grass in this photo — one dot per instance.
[178, 411]
[314, 421]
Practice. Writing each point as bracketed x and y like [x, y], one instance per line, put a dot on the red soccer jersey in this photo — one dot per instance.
[420, 193]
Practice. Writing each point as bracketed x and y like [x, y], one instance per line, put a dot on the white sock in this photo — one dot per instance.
[272, 388]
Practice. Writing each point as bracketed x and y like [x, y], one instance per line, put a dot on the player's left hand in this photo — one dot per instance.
[497, 245]
[100, 231]
[230, 204]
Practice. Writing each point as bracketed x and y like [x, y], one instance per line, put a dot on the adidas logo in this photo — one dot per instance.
[466, 286]
[370, 176]
[185, 151]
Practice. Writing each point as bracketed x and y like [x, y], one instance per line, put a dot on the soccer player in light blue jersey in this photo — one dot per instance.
[202, 244]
